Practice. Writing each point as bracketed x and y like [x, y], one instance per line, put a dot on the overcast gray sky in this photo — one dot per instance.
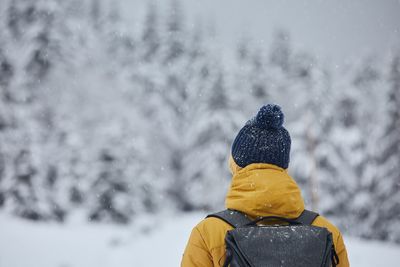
[335, 30]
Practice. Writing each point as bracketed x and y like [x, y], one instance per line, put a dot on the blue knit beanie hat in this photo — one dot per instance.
[263, 139]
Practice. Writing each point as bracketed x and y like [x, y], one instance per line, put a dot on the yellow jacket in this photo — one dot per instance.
[257, 190]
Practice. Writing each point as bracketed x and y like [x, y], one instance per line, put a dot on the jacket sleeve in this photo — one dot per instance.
[342, 252]
[196, 253]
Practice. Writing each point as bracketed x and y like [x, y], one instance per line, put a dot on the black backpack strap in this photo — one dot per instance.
[237, 219]
[232, 217]
[307, 217]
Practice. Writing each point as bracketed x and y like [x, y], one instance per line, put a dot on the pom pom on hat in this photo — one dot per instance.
[270, 116]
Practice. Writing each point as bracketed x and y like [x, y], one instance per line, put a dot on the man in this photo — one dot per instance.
[261, 186]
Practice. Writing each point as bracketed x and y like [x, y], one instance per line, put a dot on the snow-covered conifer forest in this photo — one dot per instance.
[116, 121]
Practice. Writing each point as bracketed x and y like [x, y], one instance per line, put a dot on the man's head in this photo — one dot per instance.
[263, 139]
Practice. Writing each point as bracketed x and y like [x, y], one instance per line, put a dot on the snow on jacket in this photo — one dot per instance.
[257, 190]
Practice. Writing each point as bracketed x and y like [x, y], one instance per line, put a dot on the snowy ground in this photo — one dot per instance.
[147, 243]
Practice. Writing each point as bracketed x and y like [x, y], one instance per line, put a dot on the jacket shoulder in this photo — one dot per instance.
[206, 246]
[321, 221]
[213, 231]
[338, 241]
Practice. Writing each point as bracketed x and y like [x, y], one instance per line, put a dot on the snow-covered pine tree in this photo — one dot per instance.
[21, 179]
[6, 76]
[109, 189]
[209, 137]
[366, 112]
[386, 187]
[338, 183]
[173, 96]
[36, 53]
[22, 196]
[114, 195]
[309, 85]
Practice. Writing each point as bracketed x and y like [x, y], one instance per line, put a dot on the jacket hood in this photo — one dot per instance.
[262, 189]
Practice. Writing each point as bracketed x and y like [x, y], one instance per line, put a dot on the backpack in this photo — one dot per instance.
[294, 244]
